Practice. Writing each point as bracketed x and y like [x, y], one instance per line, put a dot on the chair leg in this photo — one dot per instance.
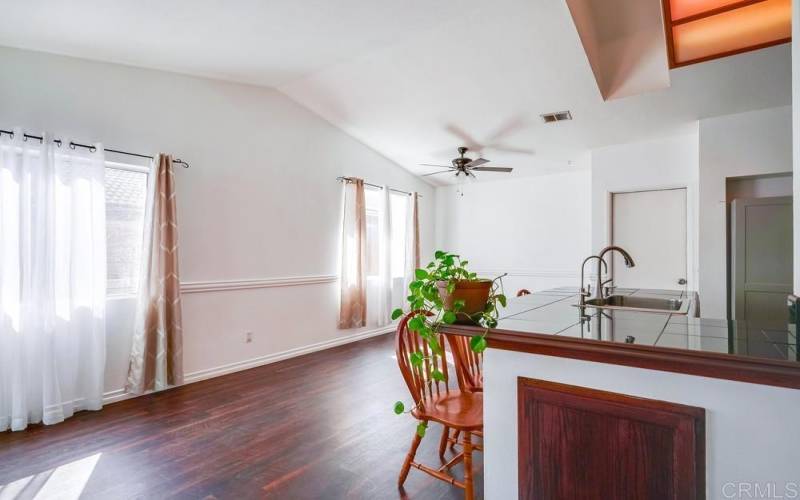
[469, 493]
[456, 434]
[409, 458]
[443, 441]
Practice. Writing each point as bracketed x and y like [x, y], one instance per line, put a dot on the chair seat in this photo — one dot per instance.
[459, 410]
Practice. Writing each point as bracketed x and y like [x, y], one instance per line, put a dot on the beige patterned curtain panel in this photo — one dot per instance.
[157, 352]
[412, 262]
[352, 277]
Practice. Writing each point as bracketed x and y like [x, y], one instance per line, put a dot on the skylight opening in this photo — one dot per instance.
[700, 30]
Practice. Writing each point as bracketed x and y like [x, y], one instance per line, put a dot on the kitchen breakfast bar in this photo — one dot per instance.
[644, 404]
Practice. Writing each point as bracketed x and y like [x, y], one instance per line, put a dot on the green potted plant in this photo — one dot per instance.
[446, 292]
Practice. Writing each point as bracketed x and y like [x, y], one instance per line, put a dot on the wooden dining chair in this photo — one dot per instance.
[436, 401]
[523, 291]
[469, 372]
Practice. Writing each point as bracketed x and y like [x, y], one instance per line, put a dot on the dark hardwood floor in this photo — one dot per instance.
[316, 426]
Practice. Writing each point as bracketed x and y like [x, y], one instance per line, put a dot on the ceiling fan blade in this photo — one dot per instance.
[432, 165]
[434, 173]
[476, 162]
[511, 149]
[511, 125]
[492, 169]
[468, 140]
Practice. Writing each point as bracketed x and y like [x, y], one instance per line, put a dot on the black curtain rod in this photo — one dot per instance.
[91, 148]
[350, 179]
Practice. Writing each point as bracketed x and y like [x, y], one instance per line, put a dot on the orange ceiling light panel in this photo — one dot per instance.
[699, 30]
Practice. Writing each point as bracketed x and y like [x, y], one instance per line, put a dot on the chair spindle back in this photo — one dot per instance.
[418, 378]
[468, 363]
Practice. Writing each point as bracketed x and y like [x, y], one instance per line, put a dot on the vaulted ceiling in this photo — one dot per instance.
[415, 79]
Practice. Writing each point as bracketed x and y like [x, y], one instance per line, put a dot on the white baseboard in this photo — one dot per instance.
[120, 394]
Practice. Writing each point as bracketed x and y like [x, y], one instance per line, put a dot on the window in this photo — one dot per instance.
[126, 192]
[398, 204]
[372, 198]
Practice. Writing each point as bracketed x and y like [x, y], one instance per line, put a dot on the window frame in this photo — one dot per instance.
[142, 169]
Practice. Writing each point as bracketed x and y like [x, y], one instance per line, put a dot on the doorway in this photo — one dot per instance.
[651, 226]
[759, 245]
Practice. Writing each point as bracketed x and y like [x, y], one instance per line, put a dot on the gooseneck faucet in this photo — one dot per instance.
[584, 292]
[628, 263]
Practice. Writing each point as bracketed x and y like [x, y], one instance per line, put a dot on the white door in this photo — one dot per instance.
[651, 226]
[761, 258]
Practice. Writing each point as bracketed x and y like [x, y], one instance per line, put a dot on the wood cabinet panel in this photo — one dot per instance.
[579, 443]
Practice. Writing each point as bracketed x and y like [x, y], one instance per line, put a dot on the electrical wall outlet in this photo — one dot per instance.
[248, 337]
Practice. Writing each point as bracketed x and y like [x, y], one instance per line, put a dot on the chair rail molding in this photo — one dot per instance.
[536, 273]
[247, 284]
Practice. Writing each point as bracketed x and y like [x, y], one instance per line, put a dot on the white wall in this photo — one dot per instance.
[534, 228]
[660, 163]
[753, 143]
[746, 424]
[260, 200]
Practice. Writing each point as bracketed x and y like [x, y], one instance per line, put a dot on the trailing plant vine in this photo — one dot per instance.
[430, 313]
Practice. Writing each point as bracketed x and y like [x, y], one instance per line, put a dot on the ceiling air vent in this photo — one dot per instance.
[559, 116]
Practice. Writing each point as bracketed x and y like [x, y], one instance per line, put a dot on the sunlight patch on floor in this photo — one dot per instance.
[65, 482]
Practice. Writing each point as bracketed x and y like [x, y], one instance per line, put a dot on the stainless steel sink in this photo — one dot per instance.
[643, 304]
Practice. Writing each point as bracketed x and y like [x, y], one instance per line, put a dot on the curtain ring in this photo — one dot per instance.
[71, 145]
[92, 149]
[12, 134]
[24, 137]
[57, 142]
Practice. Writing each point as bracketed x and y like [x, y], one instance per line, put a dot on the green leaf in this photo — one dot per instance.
[421, 428]
[449, 317]
[477, 343]
[459, 304]
[435, 347]
[439, 254]
[397, 313]
[421, 274]
[472, 276]
[399, 408]
[502, 299]
[451, 287]
[448, 260]
[416, 323]
[415, 285]
[464, 263]
[437, 375]
[416, 358]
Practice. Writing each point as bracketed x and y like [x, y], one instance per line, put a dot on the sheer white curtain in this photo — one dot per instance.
[383, 286]
[52, 280]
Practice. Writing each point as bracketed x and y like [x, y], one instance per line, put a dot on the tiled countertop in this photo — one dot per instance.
[554, 312]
